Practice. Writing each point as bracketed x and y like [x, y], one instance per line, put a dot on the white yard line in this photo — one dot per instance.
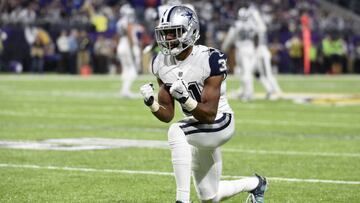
[66, 168]
[296, 123]
[79, 144]
[292, 153]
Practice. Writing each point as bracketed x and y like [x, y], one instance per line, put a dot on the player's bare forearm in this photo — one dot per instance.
[165, 112]
[206, 110]
[166, 102]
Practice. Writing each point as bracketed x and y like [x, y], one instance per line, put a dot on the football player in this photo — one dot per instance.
[128, 50]
[194, 76]
[248, 34]
[242, 34]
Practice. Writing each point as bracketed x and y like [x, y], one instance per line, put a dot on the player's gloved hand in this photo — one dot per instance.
[147, 91]
[180, 92]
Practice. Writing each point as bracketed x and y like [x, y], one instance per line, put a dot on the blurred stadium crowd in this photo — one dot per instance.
[64, 36]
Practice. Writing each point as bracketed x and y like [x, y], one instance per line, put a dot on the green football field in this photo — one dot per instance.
[73, 139]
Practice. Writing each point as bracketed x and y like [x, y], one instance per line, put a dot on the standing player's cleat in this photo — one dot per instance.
[257, 195]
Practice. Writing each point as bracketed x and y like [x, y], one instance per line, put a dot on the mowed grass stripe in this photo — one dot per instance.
[295, 147]
[67, 168]
[98, 143]
[141, 117]
[291, 153]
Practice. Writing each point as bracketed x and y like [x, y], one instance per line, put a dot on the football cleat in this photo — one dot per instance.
[257, 195]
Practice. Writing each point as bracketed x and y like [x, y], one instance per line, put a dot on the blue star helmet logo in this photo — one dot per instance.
[189, 15]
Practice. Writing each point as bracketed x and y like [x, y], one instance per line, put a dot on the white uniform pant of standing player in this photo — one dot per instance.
[128, 65]
[263, 65]
[196, 147]
[246, 60]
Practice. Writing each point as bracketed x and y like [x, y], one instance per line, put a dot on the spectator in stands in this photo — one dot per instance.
[357, 57]
[37, 53]
[295, 47]
[334, 51]
[276, 47]
[314, 58]
[3, 37]
[282, 18]
[31, 33]
[97, 18]
[27, 15]
[102, 54]
[63, 46]
[74, 46]
[83, 55]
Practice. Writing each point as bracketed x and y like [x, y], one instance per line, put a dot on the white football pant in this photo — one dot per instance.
[196, 147]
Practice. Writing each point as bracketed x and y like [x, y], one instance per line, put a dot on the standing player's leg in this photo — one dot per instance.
[263, 72]
[129, 72]
[266, 62]
[247, 64]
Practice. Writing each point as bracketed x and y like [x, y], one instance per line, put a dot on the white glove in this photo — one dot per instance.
[180, 92]
[147, 91]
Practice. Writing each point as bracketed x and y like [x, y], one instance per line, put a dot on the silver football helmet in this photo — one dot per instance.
[128, 11]
[177, 30]
[243, 14]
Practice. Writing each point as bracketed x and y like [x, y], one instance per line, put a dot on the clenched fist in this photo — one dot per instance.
[147, 91]
[179, 91]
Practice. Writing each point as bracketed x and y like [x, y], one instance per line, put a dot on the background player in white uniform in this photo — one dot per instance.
[263, 66]
[242, 34]
[194, 75]
[263, 56]
[248, 34]
[128, 49]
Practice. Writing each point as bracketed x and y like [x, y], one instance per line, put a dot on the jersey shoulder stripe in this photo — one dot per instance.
[217, 62]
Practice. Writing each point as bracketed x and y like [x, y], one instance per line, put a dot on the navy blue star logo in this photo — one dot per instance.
[189, 15]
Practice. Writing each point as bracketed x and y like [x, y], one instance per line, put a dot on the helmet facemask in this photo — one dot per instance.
[169, 39]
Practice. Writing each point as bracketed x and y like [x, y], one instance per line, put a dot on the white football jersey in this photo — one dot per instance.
[201, 64]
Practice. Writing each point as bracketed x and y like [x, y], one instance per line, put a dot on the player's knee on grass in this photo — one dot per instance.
[206, 167]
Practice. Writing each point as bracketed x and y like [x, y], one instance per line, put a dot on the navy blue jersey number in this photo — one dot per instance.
[195, 91]
[217, 62]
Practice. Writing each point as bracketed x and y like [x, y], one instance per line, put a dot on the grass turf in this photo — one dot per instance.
[274, 138]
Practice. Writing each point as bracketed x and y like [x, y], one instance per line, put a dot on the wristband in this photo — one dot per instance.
[190, 104]
[154, 107]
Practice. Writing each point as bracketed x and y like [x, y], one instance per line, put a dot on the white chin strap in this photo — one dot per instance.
[177, 50]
